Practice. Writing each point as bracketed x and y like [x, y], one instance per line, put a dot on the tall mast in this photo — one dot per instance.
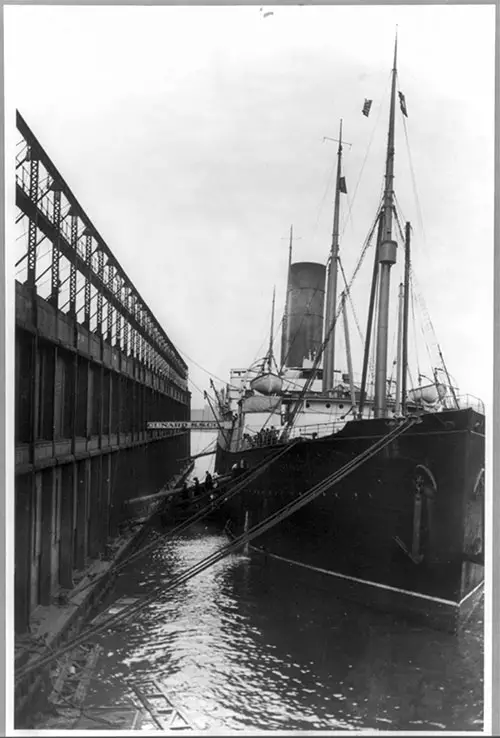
[386, 258]
[399, 360]
[284, 330]
[371, 310]
[348, 351]
[405, 318]
[271, 336]
[331, 290]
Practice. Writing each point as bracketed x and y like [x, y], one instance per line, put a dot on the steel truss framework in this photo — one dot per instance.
[96, 291]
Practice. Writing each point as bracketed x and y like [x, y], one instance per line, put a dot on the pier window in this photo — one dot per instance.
[45, 385]
[64, 394]
[24, 373]
[106, 389]
[96, 400]
[81, 399]
[135, 406]
[115, 409]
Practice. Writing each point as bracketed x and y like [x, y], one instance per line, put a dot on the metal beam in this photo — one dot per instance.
[88, 256]
[33, 223]
[56, 254]
[38, 154]
[79, 263]
[74, 257]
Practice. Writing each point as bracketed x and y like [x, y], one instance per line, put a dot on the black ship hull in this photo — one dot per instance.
[404, 531]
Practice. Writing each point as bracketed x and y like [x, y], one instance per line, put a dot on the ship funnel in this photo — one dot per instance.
[306, 296]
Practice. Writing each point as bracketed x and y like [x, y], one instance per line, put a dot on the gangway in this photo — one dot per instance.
[164, 713]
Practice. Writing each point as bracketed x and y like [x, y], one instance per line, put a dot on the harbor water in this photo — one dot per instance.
[244, 646]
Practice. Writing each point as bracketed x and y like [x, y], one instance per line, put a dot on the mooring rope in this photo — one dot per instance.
[257, 530]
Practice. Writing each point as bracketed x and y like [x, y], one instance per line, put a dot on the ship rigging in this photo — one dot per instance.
[391, 525]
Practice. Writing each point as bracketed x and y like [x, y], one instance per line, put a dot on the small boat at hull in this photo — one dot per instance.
[267, 384]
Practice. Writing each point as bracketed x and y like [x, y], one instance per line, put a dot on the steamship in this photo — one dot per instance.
[403, 528]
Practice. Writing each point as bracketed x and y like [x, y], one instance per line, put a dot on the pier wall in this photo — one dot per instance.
[92, 367]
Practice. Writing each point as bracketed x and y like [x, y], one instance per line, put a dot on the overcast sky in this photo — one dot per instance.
[193, 138]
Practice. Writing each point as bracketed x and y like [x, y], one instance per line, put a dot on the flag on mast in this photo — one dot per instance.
[366, 107]
[402, 104]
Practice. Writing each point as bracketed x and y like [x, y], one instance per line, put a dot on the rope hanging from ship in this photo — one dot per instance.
[257, 530]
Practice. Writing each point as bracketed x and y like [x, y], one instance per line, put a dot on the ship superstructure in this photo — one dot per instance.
[408, 520]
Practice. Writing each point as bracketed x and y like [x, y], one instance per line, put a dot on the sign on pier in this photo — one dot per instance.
[187, 425]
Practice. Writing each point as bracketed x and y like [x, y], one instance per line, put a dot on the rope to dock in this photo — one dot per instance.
[160, 592]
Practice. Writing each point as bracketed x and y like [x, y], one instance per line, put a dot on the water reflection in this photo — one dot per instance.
[243, 646]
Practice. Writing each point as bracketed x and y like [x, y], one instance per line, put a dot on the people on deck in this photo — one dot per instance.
[208, 482]
[266, 437]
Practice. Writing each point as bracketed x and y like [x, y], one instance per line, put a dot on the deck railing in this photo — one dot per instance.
[317, 430]
[470, 401]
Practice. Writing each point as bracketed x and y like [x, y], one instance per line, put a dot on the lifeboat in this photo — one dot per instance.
[267, 384]
[428, 395]
[261, 404]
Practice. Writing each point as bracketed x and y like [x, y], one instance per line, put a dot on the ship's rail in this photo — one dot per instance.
[475, 403]
[316, 430]
[270, 436]
[319, 430]
[465, 402]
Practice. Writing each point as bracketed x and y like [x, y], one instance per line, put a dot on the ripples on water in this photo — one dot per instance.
[243, 646]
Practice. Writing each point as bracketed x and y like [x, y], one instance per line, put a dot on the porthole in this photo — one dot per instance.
[341, 406]
[328, 404]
